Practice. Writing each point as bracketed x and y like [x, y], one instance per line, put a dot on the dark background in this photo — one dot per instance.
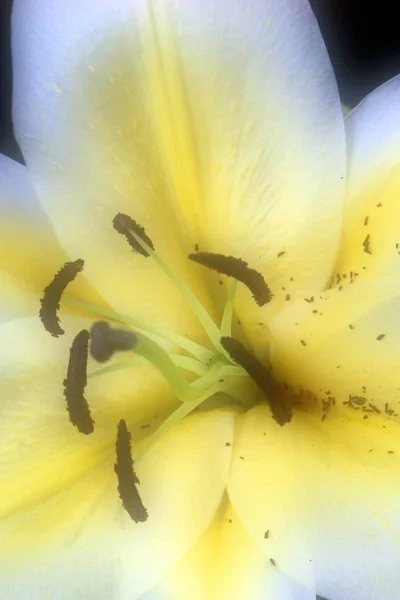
[362, 36]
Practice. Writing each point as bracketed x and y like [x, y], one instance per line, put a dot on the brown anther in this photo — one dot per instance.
[75, 383]
[50, 303]
[124, 224]
[127, 478]
[278, 401]
[239, 270]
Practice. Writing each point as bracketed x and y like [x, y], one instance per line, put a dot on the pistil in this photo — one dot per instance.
[149, 328]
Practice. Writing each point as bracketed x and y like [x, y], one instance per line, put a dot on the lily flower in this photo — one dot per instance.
[200, 300]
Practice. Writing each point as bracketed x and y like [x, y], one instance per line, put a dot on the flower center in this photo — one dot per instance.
[227, 373]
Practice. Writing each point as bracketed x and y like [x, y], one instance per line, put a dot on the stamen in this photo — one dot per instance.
[238, 269]
[127, 478]
[50, 303]
[198, 309]
[125, 225]
[104, 341]
[75, 383]
[277, 400]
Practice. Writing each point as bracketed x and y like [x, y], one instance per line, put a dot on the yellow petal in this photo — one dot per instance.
[371, 242]
[219, 135]
[329, 494]
[37, 435]
[343, 346]
[226, 563]
[63, 529]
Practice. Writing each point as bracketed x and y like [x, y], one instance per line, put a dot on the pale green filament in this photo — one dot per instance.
[180, 413]
[163, 362]
[118, 366]
[226, 323]
[148, 327]
[183, 362]
[189, 364]
[206, 386]
[212, 374]
[233, 392]
[198, 309]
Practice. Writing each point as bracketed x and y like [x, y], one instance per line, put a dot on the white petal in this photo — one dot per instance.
[16, 191]
[373, 135]
[213, 122]
[329, 494]
[372, 206]
[63, 531]
[30, 254]
[226, 563]
[25, 241]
